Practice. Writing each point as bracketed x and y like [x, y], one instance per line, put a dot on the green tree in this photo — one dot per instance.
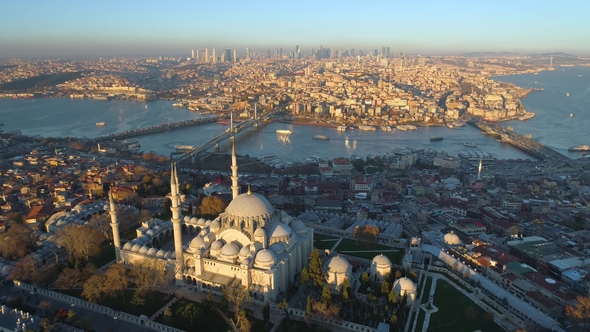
[384, 287]
[190, 312]
[315, 268]
[210, 296]
[304, 276]
[167, 314]
[392, 297]
[190, 208]
[345, 290]
[266, 311]
[326, 294]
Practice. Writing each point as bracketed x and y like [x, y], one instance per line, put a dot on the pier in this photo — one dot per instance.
[230, 132]
[525, 144]
[157, 129]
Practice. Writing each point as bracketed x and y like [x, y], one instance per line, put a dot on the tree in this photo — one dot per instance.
[44, 307]
[392, 297]
[345, 287]
[241, 321]
[116, 280]
[150, 275]
[70, 278]
[144, 215]
[93, 288]
[18, 242]
[328, 310]
[364, 277]
[190, 312]
[167, 314]
[237, 295]
[284, 306]
[398, 274]
[384, 287]
[304, 276]
[266, 311]
[366, 233]
[24, 269]
[315, 268]
[211, 207]
[393, 319]
[326, 294]
[190, 208]
[308, 305]
[579, 312]
[81, 242]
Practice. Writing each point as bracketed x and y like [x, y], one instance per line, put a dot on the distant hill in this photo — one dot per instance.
[554, 54]
[487, 54]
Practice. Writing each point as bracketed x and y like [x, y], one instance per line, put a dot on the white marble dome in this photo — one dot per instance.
[201, 222]
[265, 257]
[143, 250]
[249, 205]
[381, 261]
[161, 253]
[193, 221]
[298, 226]
[338, 264]
[135, 248]
[452, 239]
[230, 250]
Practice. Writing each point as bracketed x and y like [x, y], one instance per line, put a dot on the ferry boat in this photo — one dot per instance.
[579, 148]
[436, 139]
[100, 124]
[284, 132]
[266, 157]
[184, 147]
[459, 124]
[321, 137]
[367, 128]
[402, 128]
[470, 144]
[224, 122]
[341, 128]
[450, 125]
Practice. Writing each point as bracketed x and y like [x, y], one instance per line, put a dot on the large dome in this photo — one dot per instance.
[339, 265]
[265, 257]
[230, 249]
[452, 239]
[382, 261]
[249, 205]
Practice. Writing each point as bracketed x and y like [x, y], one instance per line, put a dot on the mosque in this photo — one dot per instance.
[251, 244]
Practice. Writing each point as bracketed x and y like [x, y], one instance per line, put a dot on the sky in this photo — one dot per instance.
[71, 29]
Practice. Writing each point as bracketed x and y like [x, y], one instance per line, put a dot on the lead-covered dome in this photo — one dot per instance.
[452, 239]
[249, 205]
[381, 261]
[404, 285]
[298, 226]
[265, 257]
[338, 264]
[230, 250]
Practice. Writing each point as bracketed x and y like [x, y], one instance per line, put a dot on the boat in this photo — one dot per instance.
[470, 144]
[284, 132]
[101, 124]
[367, 128]
[224, 122]
[341, 128]
[351, 128]
[450, 125]
[321, 137]
[436, 139]
[266, 157]
[571, 114]
[459, 124]
[579, 148]
[567, 94]
[184, 147]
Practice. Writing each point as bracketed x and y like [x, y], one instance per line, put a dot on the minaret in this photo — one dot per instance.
[176, 226]
[115, 227]
[479, 170]
[234, 170]
[231, 122]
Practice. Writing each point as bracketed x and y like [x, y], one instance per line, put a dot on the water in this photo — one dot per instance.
[552, 126]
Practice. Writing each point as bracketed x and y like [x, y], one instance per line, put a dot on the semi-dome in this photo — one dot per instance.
[230, 250]
[259, 232]
[197, 243]
[452, 239]
[298, 226]
[338, 264]
[381, 261]
[265, 257]
[280, 230]
[405, 285]
[278, 247]
[217, 245]
[249, 205]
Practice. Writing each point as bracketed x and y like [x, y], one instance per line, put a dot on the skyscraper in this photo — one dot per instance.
[247, 52]
[352, 52]
[383, 51]
[214, 55]
[193, 54]
[268, 53]
[227, 55]
[206, 55]
[387, 52]
[235, 58]
[375, 52]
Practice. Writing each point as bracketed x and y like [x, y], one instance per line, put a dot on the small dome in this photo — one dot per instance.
[152, 251]
[338, 264]
[201, 222]
[452, 239]
[265, 257]
[217, 245]
[187, 219]
[106, 207]
[143, 250]
[281, 230]
[150, 232]
[207, 223]
[249, 205]
[127, 246]
[215, 225]
[259, 232]
[277, 247]
[313, 217]
[298, 226]
[135, 248]
[404, 284]
[382, 261]
[197, 243]
[244, 252]
[170, 254]
[160, 254]
[230, 250]
[193, 221]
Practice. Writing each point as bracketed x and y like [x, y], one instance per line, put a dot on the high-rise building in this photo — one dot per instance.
[375, 52]
[193, 54]
[352, 52]
[198, 55]
[268, 53]
[387, 54]
[235, 58]
[227, 55]
[214, 56]
[206, 55]
[383, 51]
[247, 53]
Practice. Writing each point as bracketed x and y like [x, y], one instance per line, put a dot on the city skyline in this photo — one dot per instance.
[72, 29]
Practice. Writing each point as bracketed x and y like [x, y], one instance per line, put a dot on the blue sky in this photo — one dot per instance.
[70, 29]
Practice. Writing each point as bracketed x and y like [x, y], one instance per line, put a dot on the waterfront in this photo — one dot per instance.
[551, 126]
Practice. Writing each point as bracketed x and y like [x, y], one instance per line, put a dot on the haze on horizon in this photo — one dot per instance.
[71, 29]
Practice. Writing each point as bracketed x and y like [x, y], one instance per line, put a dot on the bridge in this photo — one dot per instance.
[232, 131]
[157, 129]
[524, 143]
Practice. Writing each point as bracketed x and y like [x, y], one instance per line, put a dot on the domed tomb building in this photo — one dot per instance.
[250, 244]
[405, 287]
